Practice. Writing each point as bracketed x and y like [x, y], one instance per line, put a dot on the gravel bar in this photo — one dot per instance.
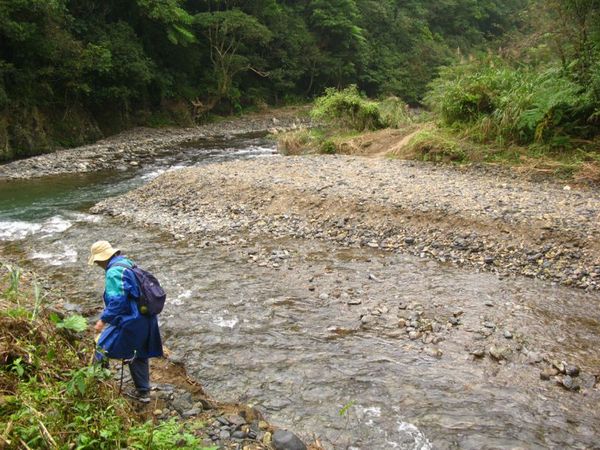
[490, 222]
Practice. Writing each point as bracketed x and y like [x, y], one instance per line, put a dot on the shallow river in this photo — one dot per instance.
[277, 324]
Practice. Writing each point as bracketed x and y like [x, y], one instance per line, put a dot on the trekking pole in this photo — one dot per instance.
[121, 382]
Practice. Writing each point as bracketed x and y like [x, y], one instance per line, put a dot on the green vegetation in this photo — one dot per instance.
[347, 109]
[505, 73]
[74, 70]
[53, 395]
[513, 105]
[343, 114]
[534, 103]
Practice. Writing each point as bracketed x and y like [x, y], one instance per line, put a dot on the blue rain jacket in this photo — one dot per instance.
[128, 332]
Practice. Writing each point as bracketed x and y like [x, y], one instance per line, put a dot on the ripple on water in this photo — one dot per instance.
[55, 224]
[15, 230]
[222, 322]
[67, 255]
[180, 299]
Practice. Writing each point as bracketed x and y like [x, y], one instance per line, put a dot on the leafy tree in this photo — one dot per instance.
[228, 35]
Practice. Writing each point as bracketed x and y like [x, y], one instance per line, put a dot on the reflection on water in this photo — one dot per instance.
[286, 339]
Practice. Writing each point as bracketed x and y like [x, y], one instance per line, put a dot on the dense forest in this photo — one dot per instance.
[74, 70]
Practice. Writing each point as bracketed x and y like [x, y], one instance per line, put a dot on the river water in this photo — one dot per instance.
[308, 332]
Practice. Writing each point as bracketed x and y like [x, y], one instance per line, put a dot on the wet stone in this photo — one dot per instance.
[571, 370]
[191, 413]
[236, 420]
[570, 383]
[238, 435]
[285, 440]
[224, 435]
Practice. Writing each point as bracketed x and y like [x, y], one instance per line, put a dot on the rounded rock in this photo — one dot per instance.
[286, 440]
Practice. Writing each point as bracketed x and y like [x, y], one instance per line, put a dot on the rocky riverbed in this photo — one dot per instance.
[489, 222]
[134, 148]
[285, 294]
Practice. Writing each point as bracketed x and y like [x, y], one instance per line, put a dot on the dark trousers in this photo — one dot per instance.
[140, 374]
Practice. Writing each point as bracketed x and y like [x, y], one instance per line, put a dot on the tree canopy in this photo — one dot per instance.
[116, 58]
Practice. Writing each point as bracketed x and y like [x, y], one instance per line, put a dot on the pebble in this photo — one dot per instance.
[499, 353]
[414, 335]
[455, 321]
[238, 435]
[548, 373]
[571, 370]
[478, 353]
[569, 383]
[224, 435]
[191, 413]
[508, 334]
[534, 358]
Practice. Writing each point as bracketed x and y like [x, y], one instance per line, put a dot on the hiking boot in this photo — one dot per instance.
[142, 397]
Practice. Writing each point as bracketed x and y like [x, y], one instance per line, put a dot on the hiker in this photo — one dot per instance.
[125, 333]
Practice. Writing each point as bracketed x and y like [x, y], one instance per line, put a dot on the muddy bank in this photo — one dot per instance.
[490, 223]
[136, 147]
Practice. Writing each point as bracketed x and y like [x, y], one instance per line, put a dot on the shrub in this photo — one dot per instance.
[512, 105]
[328, 147]
[347, 109]
[394, 113]
[431, 145]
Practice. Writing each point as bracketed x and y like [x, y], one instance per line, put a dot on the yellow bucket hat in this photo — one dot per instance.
[101, 251]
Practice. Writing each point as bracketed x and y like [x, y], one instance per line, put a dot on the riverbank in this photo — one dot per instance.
[429, 142]
[45, 351]
[133, 148]
[484, 220]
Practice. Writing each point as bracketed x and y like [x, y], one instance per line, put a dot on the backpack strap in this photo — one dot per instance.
[133, 266]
